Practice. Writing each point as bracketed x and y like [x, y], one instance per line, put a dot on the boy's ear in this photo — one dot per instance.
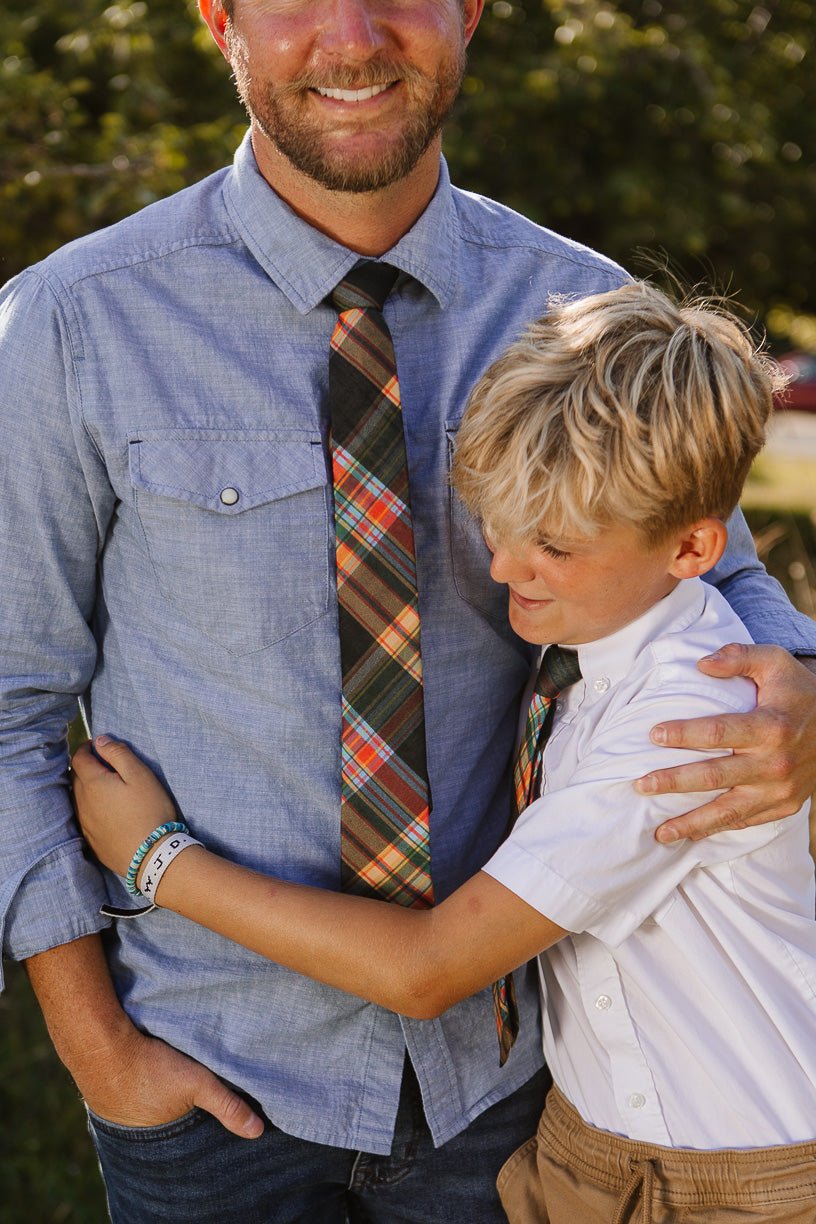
[699, 548]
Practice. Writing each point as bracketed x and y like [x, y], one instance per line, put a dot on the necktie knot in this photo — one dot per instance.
[366, 286]
[559, 669]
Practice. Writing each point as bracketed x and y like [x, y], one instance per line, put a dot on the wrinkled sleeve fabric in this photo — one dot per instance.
[585, 855]
[758, 599]
[54, 511]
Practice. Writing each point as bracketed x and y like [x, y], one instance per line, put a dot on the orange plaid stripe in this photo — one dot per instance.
[385, 805]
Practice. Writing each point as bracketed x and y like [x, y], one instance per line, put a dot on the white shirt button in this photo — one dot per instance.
[603, 1002]
[637, 1100]
[601, 684]
[229, 496]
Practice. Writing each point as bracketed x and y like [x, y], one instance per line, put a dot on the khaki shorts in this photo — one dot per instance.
[571, 1173]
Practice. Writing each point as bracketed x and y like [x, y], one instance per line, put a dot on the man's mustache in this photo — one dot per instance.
[353, 76]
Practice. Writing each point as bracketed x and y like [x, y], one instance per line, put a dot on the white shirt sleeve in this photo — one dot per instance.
[585, 855]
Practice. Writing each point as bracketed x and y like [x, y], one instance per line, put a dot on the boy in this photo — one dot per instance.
[602, 454]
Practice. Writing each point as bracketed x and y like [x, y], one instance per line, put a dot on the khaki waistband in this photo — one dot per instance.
[678, 1177]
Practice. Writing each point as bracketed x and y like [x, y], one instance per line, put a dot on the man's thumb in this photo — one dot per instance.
[231, 1110]
[730, 660]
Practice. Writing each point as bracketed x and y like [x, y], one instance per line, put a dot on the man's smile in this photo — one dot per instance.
[355, 95]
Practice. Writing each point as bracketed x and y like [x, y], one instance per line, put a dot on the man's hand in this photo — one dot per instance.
[773, 767]
[118, 801]
[149, 1083]
[124, 1075]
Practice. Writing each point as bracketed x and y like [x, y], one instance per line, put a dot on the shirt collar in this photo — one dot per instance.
[306, 264]
[608, 660]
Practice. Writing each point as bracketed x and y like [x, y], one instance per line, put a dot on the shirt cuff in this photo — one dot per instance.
[537, 884]
[53, 901]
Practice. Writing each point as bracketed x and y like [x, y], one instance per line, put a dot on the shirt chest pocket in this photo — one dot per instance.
[237, 528]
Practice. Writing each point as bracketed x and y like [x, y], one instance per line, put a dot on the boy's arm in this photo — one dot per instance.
[416, 962]
[585, 853]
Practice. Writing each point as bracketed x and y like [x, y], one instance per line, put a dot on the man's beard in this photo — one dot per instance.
[281, 113]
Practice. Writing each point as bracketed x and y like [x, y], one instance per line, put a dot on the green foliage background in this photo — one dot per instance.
[665, 125]
[627, 124]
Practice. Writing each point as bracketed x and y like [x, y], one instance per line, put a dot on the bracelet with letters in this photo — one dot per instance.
[171, 826]
[160, 860]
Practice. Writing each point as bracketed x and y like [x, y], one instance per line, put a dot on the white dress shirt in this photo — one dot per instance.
[682, 1010]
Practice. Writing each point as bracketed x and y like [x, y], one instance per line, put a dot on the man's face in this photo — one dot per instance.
[351, 92]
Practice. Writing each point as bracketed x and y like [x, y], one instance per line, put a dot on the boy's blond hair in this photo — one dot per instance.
[620, 408]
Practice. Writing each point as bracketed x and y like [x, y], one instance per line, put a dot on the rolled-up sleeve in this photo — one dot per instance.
[55, 506]
[758, 599]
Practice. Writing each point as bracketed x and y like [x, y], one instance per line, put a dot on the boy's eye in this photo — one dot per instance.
[551, 550]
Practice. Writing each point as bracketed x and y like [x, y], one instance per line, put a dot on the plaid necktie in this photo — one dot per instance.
[385, 803]
[559, 669]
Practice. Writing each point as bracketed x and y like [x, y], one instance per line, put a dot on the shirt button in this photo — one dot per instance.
[637, 1100]
[229, 496]
[601, 684]
[603, 1002]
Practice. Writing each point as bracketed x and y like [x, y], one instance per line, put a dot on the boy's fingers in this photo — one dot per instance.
[118, 756]
[85, 765]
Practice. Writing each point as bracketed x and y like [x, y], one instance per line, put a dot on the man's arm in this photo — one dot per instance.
[55, 510]
[122, 1074]
[772, 768]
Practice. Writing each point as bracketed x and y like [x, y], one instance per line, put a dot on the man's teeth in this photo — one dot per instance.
[353, 95]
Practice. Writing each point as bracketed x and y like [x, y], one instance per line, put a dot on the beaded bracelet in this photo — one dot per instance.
[172, 826]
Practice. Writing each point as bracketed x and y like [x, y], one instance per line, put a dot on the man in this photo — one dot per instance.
[169, 547]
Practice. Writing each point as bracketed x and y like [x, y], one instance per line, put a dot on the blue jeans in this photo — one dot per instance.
[193, 1171]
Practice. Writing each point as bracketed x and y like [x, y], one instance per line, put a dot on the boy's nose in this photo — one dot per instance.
[508, 566]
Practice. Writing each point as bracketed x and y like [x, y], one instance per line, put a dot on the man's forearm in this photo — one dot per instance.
[85, 1019]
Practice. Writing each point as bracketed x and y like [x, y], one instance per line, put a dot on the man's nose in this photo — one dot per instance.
[352, 29]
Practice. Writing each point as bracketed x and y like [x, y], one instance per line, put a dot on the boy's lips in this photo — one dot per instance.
[529, 604]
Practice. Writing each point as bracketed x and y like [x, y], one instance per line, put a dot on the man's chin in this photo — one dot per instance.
[365, 170]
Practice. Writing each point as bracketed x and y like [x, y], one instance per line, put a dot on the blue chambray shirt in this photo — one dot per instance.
[145, 370]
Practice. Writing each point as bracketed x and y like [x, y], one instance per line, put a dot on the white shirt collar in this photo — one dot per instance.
[609, 659]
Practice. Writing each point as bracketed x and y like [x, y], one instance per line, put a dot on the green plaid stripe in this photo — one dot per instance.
[559, 669]
[385, 808]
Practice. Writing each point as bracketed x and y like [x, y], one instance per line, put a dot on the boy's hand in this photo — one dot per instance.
[773, 767]
[118, 806]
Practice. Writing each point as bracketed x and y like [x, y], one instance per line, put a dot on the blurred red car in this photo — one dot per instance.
[800, 393]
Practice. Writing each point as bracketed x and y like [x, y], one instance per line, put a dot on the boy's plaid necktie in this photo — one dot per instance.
[385, 804]
[559, 669]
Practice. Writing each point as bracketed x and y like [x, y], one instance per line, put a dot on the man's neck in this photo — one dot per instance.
[368, 222]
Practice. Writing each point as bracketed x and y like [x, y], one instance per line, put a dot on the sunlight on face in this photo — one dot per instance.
[352, 98]
[579, 590]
